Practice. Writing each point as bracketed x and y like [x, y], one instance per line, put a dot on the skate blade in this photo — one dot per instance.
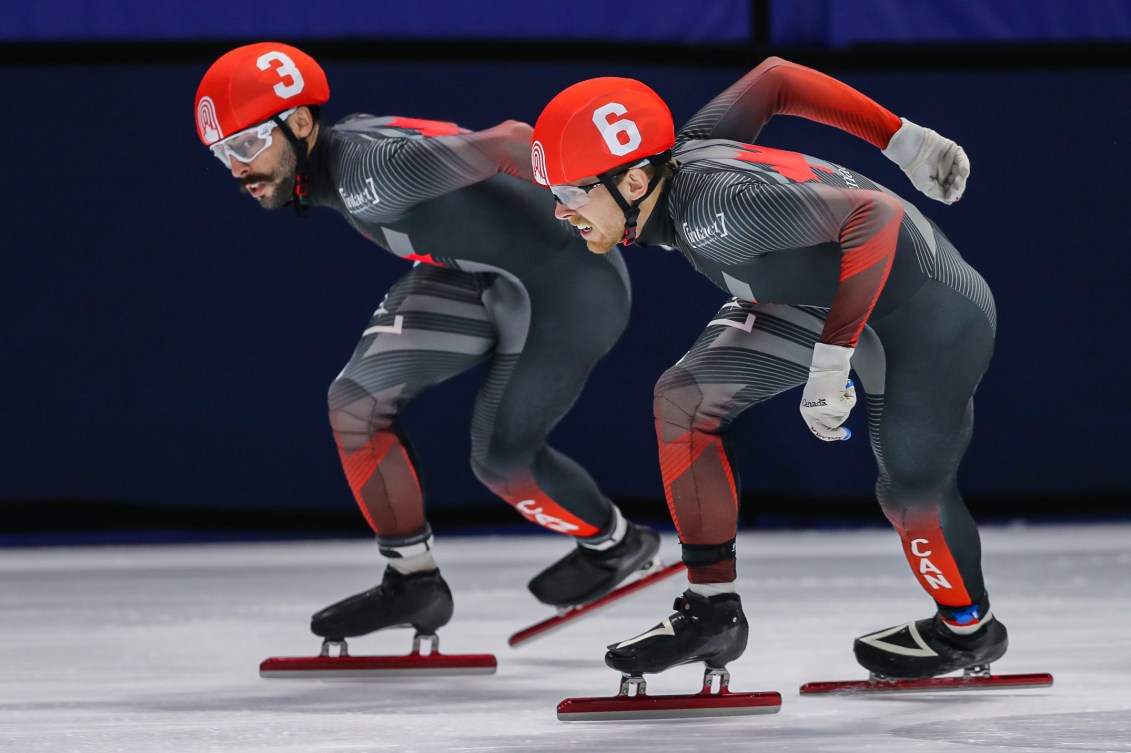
[643, 706]
[929, 684]
[410, 665]
[547, 626]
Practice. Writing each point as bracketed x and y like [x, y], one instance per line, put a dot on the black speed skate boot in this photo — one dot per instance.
[421, 600]
[709, 629]
[587, 574]
[928, 647]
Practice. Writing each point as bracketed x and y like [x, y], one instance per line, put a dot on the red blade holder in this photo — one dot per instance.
[628, 704]
[416, 663]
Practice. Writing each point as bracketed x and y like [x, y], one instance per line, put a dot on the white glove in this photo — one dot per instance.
[829, 395]
[936, 166]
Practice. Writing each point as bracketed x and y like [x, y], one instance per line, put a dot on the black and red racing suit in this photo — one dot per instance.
[814, 252]
[495, 279]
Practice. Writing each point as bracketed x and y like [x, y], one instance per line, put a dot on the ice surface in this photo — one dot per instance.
[155, 649]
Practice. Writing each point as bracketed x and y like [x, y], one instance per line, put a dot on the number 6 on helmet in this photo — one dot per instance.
[596, 126]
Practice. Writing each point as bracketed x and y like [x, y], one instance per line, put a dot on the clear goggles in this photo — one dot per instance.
[574, 197]
[249, 143]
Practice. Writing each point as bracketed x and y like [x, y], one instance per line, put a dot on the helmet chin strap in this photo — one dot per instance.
[302, 173]
[632, 211]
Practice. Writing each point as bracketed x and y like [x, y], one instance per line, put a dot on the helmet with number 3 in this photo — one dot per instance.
[251, 84]
[599, 125]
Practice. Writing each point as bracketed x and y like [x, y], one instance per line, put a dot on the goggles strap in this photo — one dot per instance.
[632, 211]
[302, 172]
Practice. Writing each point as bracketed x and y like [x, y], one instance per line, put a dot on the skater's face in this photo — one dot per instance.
[594, 211]
[265, 165]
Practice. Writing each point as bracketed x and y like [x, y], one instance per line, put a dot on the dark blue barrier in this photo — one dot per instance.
[718, 21]
[836, 24]
[841, 24]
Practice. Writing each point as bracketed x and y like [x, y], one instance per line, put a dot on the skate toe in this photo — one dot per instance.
[626, 661]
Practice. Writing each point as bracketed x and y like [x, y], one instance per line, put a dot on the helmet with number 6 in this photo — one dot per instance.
[599, 125]
[253, 83]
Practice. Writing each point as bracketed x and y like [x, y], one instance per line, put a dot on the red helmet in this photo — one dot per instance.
[250, 84]
[597, 125]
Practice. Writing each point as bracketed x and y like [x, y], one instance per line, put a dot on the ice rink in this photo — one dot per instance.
[148, 649]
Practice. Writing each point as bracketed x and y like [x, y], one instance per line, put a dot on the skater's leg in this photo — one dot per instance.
[431, 326]
[920, 381]
[552, 331]
[920, 425]
[747, 354]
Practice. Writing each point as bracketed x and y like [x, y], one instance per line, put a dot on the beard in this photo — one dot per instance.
[600, 248]
[280, 182]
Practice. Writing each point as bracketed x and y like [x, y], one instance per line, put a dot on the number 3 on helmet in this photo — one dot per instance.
[251, 83]
[599, 125]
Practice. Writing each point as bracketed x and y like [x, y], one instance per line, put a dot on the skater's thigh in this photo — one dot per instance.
[747, 353]
[431, 326]
[552, 331]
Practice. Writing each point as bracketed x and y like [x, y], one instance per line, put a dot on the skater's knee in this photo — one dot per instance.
[496, 471]
[916, 484]
[676, 407]
[355, 420]
[506, 457]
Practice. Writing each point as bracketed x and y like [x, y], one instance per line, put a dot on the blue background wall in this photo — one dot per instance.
[167, 344]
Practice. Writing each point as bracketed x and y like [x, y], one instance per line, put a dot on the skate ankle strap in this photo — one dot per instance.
[708, 554]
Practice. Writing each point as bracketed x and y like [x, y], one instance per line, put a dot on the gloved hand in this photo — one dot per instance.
[829, 395]
[936, 166]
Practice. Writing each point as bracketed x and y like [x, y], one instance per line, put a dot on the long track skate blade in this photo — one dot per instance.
[545, 627]
[642, 706]
[410, 665]
[930, 684]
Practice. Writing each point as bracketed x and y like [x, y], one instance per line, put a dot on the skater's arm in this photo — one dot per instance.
[936, 166]
[779, 87]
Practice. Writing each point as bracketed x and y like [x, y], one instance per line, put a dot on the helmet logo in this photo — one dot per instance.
[207, 121]
[538, 162]
[612, 131]
[286, 69]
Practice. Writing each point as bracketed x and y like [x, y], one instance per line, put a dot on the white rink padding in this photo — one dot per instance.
[156, 649]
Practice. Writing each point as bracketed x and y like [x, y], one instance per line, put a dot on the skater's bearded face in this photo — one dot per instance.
[269, 175]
